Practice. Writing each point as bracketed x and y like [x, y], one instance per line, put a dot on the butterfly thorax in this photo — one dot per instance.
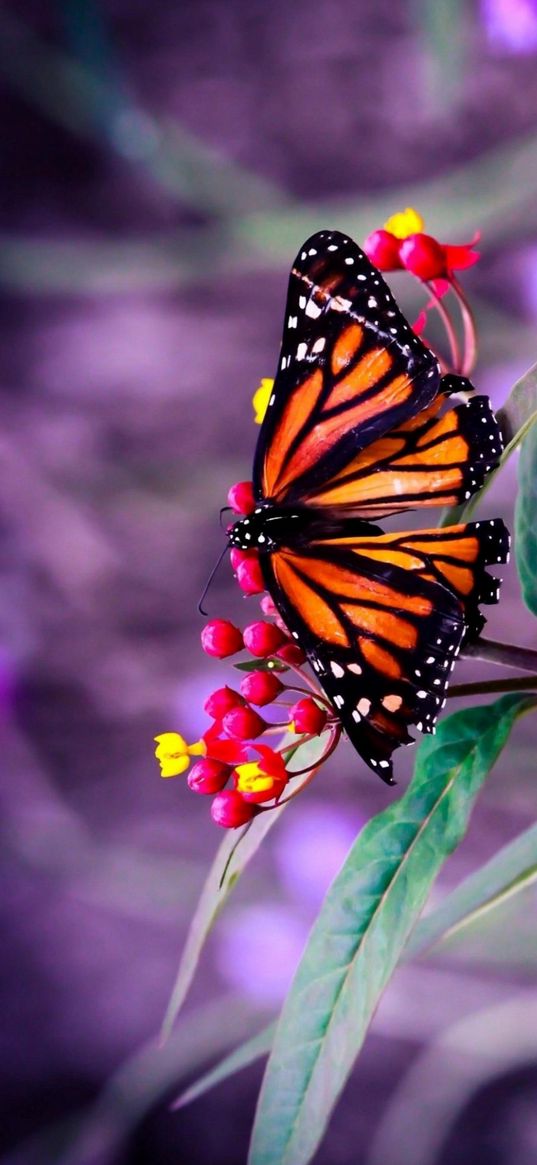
[270, 526]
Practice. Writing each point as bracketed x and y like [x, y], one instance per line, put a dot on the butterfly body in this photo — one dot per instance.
[271, 527]
[359, 428]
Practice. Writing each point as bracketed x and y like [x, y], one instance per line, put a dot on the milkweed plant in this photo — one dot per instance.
[270, 730]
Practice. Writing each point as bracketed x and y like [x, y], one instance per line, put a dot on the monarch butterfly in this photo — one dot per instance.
[358, 428]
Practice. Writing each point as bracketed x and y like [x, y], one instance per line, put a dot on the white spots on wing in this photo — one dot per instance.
[438, 641]
[272, 399]
[303, 255]
[372, 302]
[430, 659]
[339, 701]
[363, 706]
[422, 695]
[261, 538]
[292, 322]
[362, 277]
[313, 309]
[301, 351]
[312, 251]
[349, 261]
[302, 301]
[332, 247]
[419, 726]
[356, 716]
[337, 670]
[285, 362]
[355, 668]
[319, 344]
[392, 703]
[384, 764]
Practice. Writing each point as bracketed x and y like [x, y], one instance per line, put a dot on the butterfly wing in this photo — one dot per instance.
[436, 458]
[350, 369]
[382, 619]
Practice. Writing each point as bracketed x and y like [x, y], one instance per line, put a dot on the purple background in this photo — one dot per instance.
[161, 165]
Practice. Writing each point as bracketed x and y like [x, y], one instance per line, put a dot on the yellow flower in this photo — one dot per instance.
[261, 399]
[174, 753]
[252, 779]
[405, 222]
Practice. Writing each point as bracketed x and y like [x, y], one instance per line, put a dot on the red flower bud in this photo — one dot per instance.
[243, 723]
[241, 497]
[263, 639]
[208, 776]
[261, 687]
[423, 256]
[250, 577]
[221, 701]
[230, 810]
[383, 249]
[308, 717]
[292, 654]
[237, 556]
[268, 606]
[220, 638]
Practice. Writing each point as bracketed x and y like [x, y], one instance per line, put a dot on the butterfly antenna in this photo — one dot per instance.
[224, 510]
[209, 581]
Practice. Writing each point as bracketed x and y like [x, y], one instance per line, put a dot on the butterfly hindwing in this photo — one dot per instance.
[440, 457]
[350, 369]
[382, 620]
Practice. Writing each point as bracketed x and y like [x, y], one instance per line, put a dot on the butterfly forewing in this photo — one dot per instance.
[350, 369]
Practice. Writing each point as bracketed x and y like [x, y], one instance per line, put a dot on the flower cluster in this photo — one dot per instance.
[234, 762]
[402, 245]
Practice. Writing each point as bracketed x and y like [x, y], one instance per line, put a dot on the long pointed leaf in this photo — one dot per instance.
[363, 926]
[233, 855]
[513, 868]
[241, 1057]
[525, 525]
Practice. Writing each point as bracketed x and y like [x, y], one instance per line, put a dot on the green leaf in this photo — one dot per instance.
[525, 524]
[241, 1057]
[362, 928]
[233, 855]
[512, 869]
[516, 419]
[261, 665]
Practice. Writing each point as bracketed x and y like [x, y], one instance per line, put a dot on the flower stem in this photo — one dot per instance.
[450, 330]
[469, 328]
[519, 685]
[505, 654]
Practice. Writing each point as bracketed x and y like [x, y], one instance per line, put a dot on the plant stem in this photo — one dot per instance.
[505, 654]
[487, 688]
[450, 330]
[469, 328]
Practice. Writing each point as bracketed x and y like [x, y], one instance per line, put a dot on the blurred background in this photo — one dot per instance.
[161, 165]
